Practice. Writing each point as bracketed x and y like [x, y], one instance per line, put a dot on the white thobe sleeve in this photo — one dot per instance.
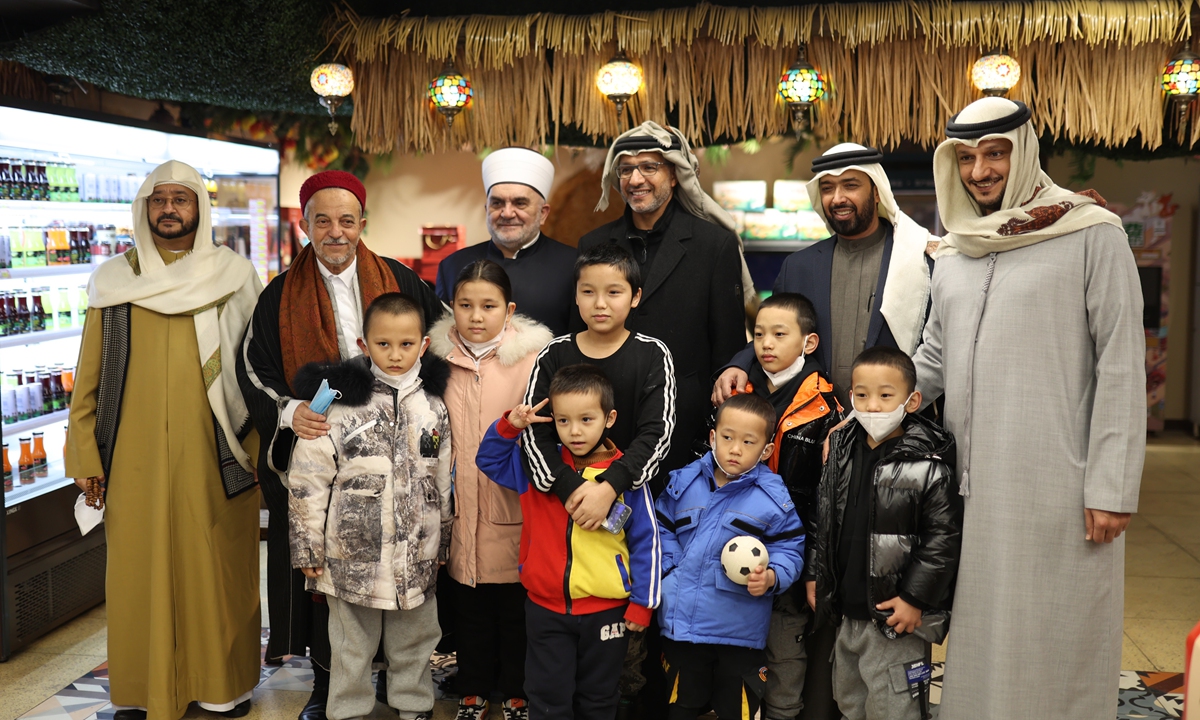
[1116, 440]
[931, 380]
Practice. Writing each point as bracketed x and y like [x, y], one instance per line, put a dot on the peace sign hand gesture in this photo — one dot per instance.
[522, 416]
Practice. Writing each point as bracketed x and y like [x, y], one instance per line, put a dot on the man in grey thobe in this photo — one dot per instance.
[1035, 336]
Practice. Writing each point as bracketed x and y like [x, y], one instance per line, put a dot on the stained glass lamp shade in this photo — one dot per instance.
[450, 92]
[995, 74]
[333, 82]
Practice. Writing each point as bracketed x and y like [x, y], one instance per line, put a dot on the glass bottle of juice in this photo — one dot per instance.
[47, 392]
[8, 480]
[23, 319]
[68, 383]
[25, 462]
[63, 308]
[4, 320]
[40, 467]
[56, 388]
[37, 312]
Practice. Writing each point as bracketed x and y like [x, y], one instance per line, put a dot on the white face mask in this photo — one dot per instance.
[782, 377]
[881, 424]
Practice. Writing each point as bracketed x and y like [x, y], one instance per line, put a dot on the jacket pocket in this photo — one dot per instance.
[624, 574]
[736, 523]
[504, 507]
[356, 520]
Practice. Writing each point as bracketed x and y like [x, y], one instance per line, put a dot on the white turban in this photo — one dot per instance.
[1033, 208]
[906, 290]
[519, 165]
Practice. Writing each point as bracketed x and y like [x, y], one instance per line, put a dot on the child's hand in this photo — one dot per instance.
[522, 416]
[590, 503]
[905, 618]
[312, 573]
[810, 588]
[760, 581]
[630, 625]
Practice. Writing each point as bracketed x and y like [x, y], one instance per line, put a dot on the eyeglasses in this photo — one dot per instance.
[647, 169]
[161, 202]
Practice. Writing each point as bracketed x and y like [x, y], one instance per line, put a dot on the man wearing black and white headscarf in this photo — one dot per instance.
[695, 284]
[1035, 335]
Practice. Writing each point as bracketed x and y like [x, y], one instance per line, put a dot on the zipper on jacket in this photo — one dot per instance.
[567, 569]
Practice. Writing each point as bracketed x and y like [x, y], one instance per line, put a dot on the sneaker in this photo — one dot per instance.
[472, 707]
[515, 709]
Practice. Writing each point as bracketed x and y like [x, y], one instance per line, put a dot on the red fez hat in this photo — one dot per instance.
[333, 179]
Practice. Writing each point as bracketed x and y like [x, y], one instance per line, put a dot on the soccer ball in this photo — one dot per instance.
[740, 556]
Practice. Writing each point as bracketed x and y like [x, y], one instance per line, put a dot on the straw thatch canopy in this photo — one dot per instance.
[897, 70]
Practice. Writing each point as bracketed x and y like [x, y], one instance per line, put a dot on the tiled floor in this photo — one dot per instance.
[1162, 603]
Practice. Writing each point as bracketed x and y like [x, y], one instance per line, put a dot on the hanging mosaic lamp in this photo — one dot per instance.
[450, 92]
[618, 79]
[334, 83]
[800, 86]
[995, 74]
[1181, 79]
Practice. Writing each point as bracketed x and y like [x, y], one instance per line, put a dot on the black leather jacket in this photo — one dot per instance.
[915, 523]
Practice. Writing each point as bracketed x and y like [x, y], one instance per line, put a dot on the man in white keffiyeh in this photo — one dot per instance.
[157, 417]
[1035, 336]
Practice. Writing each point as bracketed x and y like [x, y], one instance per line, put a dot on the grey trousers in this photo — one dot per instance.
[408, 641]
[869, 674]
[786, 659]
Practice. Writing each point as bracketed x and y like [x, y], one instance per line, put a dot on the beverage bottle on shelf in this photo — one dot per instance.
[24, 323]
[62, 242]
[85, 244]
[83, 303]
[124, 241]
[22, 399]
[8, 400]
[68, 383]
[35, 247]
[25, 462]
[30, 377]
[48, 306]
[10, 311]
[63, 309]
[8, 474]
[13, 379]
[16, 188]
[47, 391]
[40, 466]
[52, 193]
[5, 179]
[4, 314]
[37, 312]
[76, 249]
[72, 184]
[43, 182]
[58, 397]
[16, 244]
[34, 400]
[5, 249]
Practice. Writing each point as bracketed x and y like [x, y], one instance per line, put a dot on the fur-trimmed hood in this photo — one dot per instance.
[523, 336]
[354, 380]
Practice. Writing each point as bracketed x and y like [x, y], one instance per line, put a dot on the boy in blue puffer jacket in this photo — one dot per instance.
[714, 629]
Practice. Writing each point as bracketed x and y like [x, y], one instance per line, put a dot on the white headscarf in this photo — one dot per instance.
[906, 290]
[687, 179]
[212, 283]
[1033, 209]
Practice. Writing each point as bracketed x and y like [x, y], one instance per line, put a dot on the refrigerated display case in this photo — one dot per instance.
[67, 182]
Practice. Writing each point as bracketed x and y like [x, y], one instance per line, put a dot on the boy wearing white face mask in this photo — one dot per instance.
[787, 373]
[886, 542]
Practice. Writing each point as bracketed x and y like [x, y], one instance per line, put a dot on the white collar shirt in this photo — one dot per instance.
[347, 301]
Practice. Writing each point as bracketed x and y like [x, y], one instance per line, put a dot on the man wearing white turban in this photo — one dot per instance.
[1035, 336]
[157, 420]
[542, 270]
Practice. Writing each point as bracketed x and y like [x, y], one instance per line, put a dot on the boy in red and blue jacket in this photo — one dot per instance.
[586, 587]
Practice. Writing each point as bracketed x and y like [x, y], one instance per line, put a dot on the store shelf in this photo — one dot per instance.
[65, 207]
[24, 426]
[39, 337]
[777, 245]
[55, 478]
[46, 271]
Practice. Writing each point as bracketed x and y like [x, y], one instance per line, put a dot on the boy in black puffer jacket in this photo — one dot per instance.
[886, 546]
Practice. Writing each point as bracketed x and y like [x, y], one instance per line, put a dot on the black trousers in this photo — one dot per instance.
[573, 663]
[729, 679]
[490, 624]
[818, 676]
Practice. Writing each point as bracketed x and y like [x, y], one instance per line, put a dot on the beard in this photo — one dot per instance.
[513, 237]
[185, 228]
[856, 224]
[319, 249]
[991, 206]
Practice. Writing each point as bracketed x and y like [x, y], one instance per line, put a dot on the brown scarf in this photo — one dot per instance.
[307, 329]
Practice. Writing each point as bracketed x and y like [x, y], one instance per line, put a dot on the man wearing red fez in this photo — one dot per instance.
[313, 312]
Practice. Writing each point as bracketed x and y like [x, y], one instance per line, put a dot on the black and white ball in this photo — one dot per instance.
[741, 556]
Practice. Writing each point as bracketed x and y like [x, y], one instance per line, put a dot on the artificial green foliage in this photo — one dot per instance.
[253, 55]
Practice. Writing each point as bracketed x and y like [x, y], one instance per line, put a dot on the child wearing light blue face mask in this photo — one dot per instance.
[886, 542]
